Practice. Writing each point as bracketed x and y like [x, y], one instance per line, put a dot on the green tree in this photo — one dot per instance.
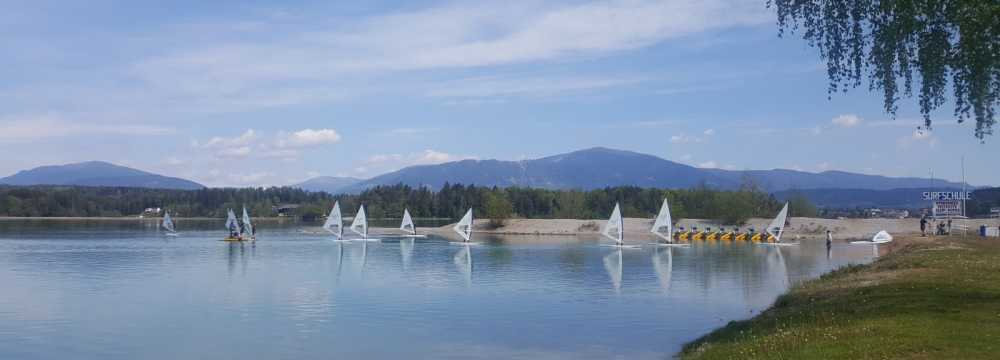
[800, 206]
[498, 209]
[888, 41]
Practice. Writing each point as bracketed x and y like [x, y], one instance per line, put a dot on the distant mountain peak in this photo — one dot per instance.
[599, 167]
[96, 173]
[329, 184]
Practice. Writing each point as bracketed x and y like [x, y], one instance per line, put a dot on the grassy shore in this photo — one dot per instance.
[929, 299]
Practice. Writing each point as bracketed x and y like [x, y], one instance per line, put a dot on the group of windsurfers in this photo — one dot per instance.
[240, 229]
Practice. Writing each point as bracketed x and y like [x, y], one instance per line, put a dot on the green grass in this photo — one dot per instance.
[937, 300]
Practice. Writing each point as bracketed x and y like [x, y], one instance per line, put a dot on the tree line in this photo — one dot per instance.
[450, 202]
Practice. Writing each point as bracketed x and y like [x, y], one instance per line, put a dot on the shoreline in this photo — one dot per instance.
[636, 229]
[924, 297]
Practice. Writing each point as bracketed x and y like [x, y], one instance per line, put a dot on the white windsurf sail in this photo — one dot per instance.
[335, 222]
[407, 224]
[614, 230]
[464, 226]
[360, 224]
[232, 225]
[663, 226]
[168, 223]
[230, 219]
[777, 226]
[247, 225]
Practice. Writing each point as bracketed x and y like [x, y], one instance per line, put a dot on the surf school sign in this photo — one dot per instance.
[946, 208]
[947, 195]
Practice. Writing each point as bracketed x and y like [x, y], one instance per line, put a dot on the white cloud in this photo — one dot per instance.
[823, 166]
[919, 136]
[846, 120]
[35, 127]
[686, 157]
[708, 165]
[283, 146]
[709, 132]
[391, 162]
[220, 142]
[308, 137]
[293, 64]
[237, 152]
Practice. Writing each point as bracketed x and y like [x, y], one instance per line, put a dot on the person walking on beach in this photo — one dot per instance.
[923, 226]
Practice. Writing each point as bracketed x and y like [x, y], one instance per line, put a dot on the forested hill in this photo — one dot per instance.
[389, 201]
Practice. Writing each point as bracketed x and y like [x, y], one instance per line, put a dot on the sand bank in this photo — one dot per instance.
[637, 229]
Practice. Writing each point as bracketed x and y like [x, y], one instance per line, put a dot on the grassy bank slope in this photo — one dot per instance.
[929, 299]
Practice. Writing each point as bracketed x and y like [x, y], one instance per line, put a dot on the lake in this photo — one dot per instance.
[122, 290]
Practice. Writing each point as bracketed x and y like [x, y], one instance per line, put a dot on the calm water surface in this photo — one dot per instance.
[124, 291]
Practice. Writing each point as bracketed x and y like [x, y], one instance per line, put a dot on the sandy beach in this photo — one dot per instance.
[637, 229]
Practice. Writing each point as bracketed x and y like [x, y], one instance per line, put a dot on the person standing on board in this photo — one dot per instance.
[829, 239]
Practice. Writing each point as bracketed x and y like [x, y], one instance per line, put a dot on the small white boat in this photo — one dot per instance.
[664, 227]
[464, 229]
[615, 229]
[168, 224]
[360, 225]
[408, 226]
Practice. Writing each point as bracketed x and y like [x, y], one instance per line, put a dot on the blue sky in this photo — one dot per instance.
[268, 93]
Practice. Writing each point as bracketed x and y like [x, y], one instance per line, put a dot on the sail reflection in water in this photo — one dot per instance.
[463, 262]
[406, 250]
[613, 265]
[663, 264]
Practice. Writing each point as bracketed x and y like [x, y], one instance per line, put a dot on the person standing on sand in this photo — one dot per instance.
[923, 226]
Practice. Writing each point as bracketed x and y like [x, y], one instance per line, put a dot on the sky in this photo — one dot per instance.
[250, 93]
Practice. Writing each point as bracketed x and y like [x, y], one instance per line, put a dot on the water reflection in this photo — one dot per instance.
[236, 252]
[463, 262]
[613, 265]
[663, 264]
[122, 284]
[406, 250]
[340, 258]
[776, 263]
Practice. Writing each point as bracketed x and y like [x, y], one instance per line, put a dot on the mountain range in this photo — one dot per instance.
[330, 184]
[97, 173]
[602, 167]
[584, 169]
